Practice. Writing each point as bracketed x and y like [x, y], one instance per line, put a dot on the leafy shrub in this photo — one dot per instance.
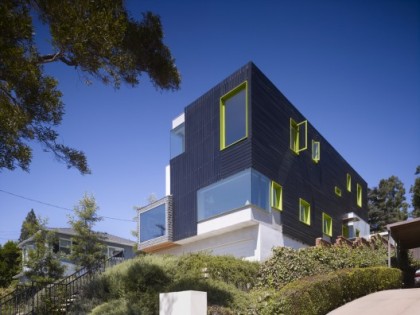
[323, 293]
[133, 287]
[287, 264]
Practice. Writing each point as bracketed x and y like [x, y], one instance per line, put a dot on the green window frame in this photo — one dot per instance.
[304, 211]
[345, 231]
[231, 133]
[276, 196]
[359, 195]
[348, 182]
[337, 191]
[298, 136]
[316, 151]
[326, 224]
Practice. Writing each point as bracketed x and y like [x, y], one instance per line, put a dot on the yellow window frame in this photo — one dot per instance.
[348, 182]
[326, 224]
[304, 211]
[345, 231]
[359, 195]
[223, 99]
[276, 196]
[337, 191]
[296, 130]
[316, 151]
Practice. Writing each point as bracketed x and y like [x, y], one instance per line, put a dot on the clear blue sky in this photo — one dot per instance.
[351, 67]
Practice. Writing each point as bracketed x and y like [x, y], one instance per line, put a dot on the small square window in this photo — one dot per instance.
[359, 195]
[276, 196]
[304, 212]
[348, 182]
[337, 191]
[326, 224]
[316, 151]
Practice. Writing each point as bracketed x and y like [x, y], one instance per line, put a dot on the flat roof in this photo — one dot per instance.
[406, 233]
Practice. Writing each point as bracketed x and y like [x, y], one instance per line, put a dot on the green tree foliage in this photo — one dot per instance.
[98, 38]
[415, 195]
[10, 262]
[87, 250]
[29, 226]
[386, 204]
[43, 265]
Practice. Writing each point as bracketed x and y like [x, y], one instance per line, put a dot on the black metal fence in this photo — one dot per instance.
[51, 298]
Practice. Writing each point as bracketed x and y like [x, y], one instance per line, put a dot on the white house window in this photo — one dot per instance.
[115, 251]
[64, 246]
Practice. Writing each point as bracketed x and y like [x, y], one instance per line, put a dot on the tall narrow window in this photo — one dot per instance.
[276, 196]
[345, 231]
[359, 195]
[304, 212]
[357, 233]
[234, 116]
[348, 182]
[316, 151]
[298, 136]
[177, 140]
[326, 224]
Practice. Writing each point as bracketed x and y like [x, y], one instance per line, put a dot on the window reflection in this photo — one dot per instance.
[152, 223]
[244, 188]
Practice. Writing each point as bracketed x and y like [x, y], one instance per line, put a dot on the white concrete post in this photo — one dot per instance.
[183, 303]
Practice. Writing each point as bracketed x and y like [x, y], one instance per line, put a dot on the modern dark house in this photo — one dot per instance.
[249, 172]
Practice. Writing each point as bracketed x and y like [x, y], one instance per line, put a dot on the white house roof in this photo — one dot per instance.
[109, 238]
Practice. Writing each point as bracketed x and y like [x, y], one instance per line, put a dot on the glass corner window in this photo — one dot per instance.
[177, 140]
[153, 223]
[247, 187]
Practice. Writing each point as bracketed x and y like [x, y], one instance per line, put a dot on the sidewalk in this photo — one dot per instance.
[389, 302]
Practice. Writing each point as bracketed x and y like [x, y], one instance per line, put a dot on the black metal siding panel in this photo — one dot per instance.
[298, 174]
[267, 150]
[203, 163]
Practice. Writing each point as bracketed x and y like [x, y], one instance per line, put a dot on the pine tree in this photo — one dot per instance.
[415, 195]
[386, 204]
[87, 249]
[10, 258]
[29, 226]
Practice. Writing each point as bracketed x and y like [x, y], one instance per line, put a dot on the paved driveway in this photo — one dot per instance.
[389, 302]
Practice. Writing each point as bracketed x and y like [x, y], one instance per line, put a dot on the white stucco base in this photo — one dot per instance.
[183, 303]
[248, 233]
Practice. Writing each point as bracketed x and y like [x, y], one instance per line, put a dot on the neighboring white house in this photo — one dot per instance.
[114, 245]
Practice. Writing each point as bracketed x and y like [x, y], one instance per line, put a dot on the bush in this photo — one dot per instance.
[133, 287]
[323, 293]
[287, 264]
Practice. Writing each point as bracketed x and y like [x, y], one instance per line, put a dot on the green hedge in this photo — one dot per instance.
[287, 264]
[323, 293]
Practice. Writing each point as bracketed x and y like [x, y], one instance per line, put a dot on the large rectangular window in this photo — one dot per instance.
[234, 116]
[298, 136]
[276, 196]
[359, 195]
[153, 223]
[178, 140]
[304, 212]
[244, 188]
[326, 224]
